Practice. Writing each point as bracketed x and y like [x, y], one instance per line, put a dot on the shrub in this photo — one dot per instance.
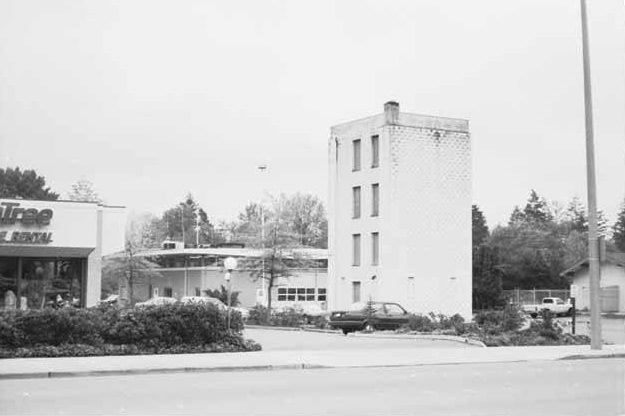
[288, 317]
[54, 332]
[259, 315]
[497, 321]
[542, 332]
[420, 323]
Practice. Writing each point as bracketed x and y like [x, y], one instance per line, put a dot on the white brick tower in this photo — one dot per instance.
[400, 212]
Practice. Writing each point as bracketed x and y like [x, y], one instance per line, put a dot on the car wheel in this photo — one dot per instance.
[346, 331]
[368, 327]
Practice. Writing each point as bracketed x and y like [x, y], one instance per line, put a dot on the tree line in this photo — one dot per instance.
[538, 243]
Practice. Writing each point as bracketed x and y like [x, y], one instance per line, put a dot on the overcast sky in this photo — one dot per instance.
[151, 99]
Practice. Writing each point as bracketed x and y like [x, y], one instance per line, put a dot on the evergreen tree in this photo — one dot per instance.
[517, 217]
[619, 229]
[26, 184]
[187, 222]
[536, 212]
[577, 218]
[479, 227]
[487, 278]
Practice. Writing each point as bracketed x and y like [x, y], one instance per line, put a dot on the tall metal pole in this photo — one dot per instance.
[262, 169]
[593, 242]
[182, 222]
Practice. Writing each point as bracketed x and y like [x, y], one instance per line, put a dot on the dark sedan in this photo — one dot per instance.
[369, 316]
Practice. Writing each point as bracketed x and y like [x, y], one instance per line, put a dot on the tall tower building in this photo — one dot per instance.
[400, 212]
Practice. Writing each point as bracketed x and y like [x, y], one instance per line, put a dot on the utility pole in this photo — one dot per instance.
[262, 169]
[593, 242]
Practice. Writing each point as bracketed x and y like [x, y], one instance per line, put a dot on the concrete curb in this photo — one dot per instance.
[589, 356]
[274, 367]
[148, 371]
[276, 328]
[452, 338]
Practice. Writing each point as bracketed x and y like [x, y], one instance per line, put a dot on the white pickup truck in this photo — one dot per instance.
[555, 305]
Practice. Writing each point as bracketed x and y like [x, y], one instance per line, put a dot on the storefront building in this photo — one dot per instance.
[51, 251]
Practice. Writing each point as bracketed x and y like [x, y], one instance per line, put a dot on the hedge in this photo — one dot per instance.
[496, 328]
[111, 331]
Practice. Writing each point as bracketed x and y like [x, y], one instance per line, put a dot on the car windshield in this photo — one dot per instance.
[362, 307]
[357, 307]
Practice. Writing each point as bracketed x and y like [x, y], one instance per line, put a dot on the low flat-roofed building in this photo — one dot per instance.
[192, 271]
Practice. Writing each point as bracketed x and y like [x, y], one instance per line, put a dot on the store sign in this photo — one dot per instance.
[11, 213]
[25, 237]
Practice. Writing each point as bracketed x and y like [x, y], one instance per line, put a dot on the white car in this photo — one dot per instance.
[156, 301]
[203, 300]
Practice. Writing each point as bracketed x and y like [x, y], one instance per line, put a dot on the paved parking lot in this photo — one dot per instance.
[277, 340]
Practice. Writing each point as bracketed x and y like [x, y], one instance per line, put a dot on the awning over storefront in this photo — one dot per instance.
[43, 251]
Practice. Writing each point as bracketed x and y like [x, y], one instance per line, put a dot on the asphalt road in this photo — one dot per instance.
[277, 340]
[583, 387]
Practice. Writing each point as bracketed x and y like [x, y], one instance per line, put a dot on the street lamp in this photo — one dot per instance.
[230, 264]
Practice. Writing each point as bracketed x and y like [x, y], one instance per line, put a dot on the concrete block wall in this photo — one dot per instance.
[424, 223]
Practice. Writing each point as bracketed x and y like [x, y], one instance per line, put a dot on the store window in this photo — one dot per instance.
[168, 292]
[51, 283]
[8, 282]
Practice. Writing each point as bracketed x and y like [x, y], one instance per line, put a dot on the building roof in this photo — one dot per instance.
[310, 253]
[610, 257]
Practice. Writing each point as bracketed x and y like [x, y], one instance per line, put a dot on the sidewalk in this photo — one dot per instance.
[277, 360]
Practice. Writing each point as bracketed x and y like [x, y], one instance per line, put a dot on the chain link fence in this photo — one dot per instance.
[528, 297]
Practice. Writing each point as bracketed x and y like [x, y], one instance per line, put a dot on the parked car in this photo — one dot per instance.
[156, 301]
[368, 316]
[555, 305]
[207, 300]
[109, 300]
[203, 300]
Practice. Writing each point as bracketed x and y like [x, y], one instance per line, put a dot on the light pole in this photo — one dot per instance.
[593, 241]
[197, 231]
[182, 222]
[230, 264]
[262, 168]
